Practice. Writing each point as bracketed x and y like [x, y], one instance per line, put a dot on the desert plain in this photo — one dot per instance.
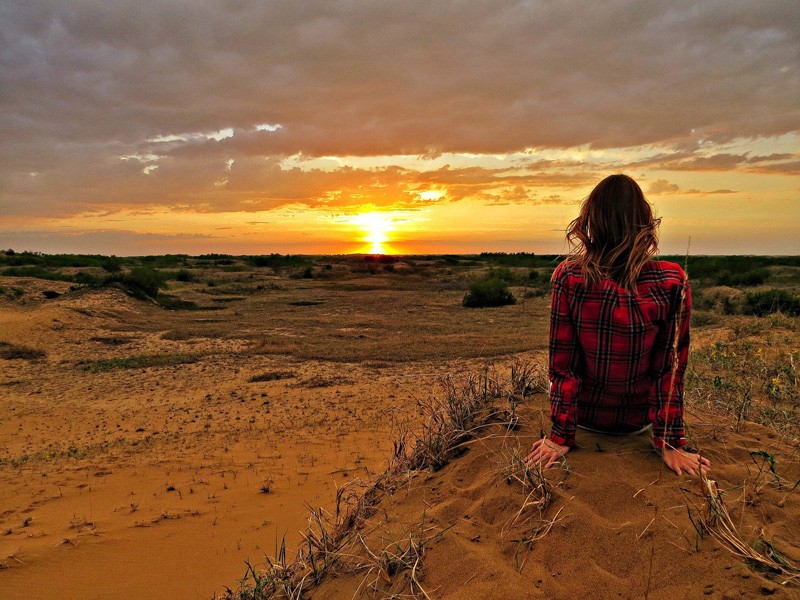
[155, 446]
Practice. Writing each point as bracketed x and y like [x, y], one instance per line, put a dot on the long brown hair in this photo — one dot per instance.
[615, 233]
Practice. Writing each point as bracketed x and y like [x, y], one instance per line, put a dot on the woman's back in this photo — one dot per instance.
[620, 333]
[619, 330]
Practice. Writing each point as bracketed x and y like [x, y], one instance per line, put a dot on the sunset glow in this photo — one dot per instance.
[336, 122]
[376, 227]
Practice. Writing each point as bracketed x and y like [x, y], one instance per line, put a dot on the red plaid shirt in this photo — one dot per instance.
[611, 353]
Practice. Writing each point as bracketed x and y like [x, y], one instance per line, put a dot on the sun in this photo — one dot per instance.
[376, 227]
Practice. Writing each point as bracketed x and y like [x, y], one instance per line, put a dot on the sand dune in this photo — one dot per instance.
[620, 524]
[167, 478]
[150, 453]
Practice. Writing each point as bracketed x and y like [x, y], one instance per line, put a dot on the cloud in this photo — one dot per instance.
[180, 89]
[121, 243]
[662, 186]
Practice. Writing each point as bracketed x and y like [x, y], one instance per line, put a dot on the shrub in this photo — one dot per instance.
[85, 278]
[488, 292]
[142, 282]
[112, 264]
[746, 278]
[766, 302]
[184, 275]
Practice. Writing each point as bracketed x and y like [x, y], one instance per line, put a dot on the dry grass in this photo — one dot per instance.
[751, 379]
[713, 518]
[387, 566]
[140, 361]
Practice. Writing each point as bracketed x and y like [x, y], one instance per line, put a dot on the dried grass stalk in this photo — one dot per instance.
[717, 521]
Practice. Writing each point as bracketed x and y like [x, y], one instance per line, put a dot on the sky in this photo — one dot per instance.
[461, 126]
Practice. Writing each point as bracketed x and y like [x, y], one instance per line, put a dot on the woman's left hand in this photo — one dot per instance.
[681, 461]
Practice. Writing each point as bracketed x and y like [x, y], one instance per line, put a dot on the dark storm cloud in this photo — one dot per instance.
[83, 83]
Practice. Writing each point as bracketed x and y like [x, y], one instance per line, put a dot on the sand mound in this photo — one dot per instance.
[617, 524]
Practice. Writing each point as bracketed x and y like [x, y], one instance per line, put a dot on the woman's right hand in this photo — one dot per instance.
[545, 453]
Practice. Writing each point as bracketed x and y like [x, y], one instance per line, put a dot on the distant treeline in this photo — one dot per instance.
[165, 261]
[734, 267]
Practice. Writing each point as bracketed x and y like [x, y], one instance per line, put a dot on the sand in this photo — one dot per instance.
[161, 481]
[620, 523]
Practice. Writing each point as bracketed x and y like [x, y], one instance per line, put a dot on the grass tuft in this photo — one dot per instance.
[714, 519]
[140, 361]
[10, 351]
[271, 376]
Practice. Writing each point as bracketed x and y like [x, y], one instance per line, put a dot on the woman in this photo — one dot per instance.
[619, 331]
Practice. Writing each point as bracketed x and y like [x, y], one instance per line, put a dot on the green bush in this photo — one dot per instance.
[766, 302]
[112, 264]
[488, 292]
[86, 278]
[746, 278]
[184, 275]
[141, 282]
[37, 272]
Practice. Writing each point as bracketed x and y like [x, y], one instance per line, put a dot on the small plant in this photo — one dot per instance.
[266, 485]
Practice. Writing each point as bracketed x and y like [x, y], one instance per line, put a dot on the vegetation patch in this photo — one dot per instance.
[10, 351]
[271, 376]
[766, 302]
[748, 380]
[37, 272]
[171, 302]
[318, 381]
[140, 361]
[114, 340]
[747, 278]
[488, 293]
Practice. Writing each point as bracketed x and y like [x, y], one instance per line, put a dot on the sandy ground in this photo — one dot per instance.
[620, 522]
[163, 481]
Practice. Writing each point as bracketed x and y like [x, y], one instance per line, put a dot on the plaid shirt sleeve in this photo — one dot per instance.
[565, 362]
[666, 410]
